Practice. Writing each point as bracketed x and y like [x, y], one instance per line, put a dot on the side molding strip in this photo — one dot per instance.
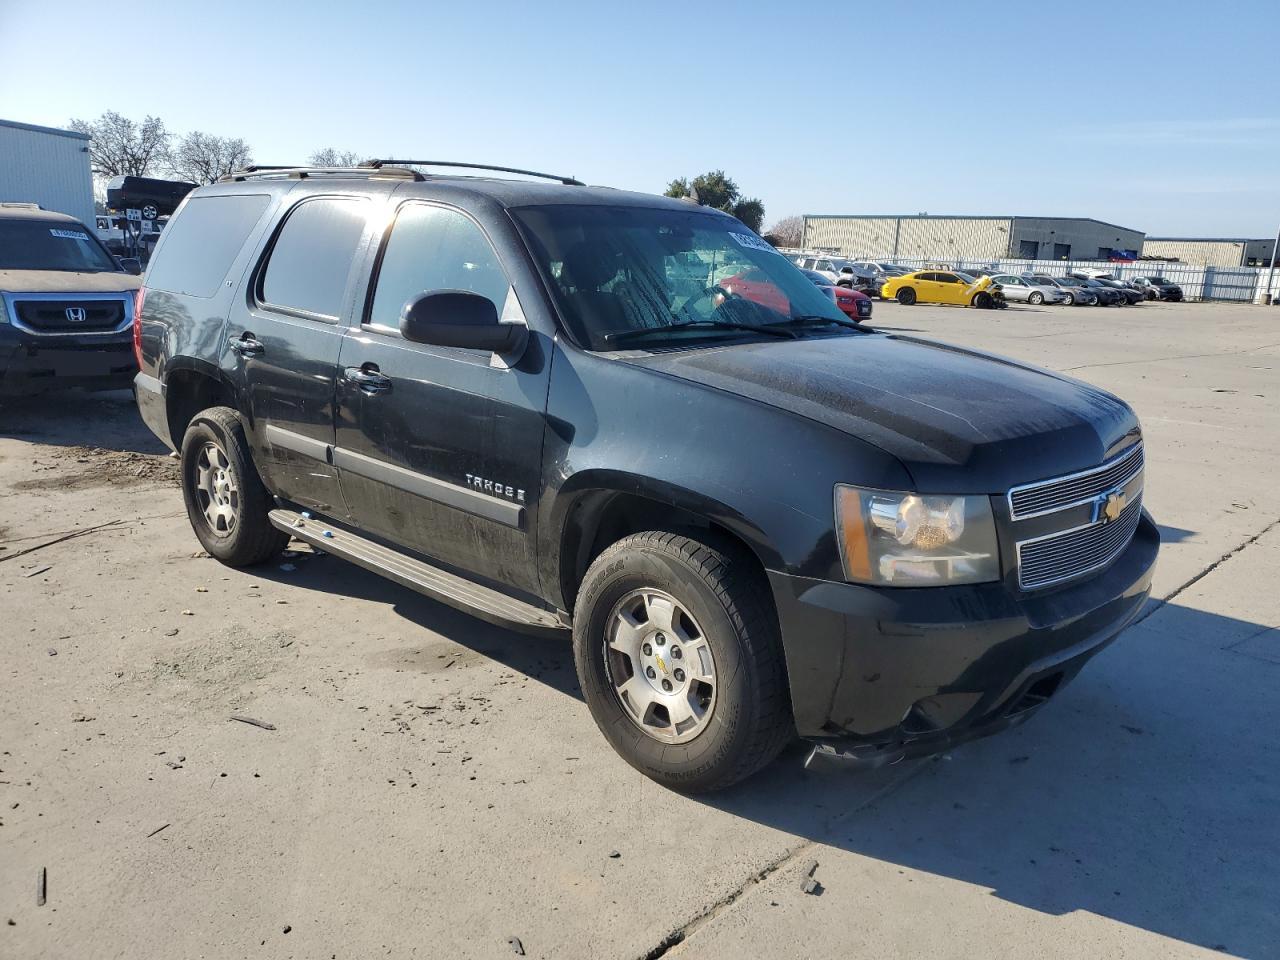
[297, 443]
[449, 494]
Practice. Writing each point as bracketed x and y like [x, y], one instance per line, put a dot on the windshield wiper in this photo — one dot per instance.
[622, 336]
[816, 318]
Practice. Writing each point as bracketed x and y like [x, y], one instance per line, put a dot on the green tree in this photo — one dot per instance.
[714, 189]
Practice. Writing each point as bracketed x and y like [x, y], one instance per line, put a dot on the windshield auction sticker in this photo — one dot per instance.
[69, 234]
[753, 243]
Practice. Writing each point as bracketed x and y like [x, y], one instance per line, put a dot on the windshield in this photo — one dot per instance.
[614, 270]
[51, 245]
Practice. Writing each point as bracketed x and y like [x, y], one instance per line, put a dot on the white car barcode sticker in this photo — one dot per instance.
[753, 243]
[69, 234]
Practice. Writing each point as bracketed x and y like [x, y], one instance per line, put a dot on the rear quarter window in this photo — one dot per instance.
[202, 241]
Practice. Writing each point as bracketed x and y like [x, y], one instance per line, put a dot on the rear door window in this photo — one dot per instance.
[306, 271]
[434, 248]
[201, 243]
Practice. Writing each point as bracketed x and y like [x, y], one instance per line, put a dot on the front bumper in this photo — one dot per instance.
[31, 364]
[881, 673]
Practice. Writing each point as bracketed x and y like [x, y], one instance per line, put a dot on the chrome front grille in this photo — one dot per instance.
[1067, 554]
[1061, 493]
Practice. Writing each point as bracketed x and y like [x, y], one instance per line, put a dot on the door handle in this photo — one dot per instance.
[368, 379]
[246, 345]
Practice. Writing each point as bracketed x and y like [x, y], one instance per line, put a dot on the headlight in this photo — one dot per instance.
[909, 539]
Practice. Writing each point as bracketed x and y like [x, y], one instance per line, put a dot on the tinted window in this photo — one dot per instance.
[432, 248]
[947, 278]
[201, 243]
[312, 255]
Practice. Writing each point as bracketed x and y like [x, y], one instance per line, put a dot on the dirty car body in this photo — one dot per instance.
[944, 537]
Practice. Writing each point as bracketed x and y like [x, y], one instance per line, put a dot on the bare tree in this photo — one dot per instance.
[331, 157]
[787, 232]
[203, 158]
[123, 147]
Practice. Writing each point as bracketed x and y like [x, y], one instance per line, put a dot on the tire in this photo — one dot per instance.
[1071, 300]
[219, 478]
[153, 214]
[983, 301]
[1036, 298]
[710, 598]
[906, 296]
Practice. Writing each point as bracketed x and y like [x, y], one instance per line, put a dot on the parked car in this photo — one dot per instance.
[1028, 290]
[1075, 295]
[840, 272]
[521, 399]
[855, 304]
[66, 305]
[1107, 297]
[1130, 295]
[933, 286]
[1158, 288]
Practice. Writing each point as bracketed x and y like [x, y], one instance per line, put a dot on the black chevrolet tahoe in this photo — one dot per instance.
[66, 305]
[549, 405]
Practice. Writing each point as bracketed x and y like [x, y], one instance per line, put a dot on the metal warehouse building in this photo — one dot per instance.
[1212, 252]
[47, 166]
[947, 238]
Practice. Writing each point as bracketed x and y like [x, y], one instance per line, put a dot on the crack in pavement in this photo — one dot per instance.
[1164, 601]
[682, 933]
[1186, 356]
[711, 912]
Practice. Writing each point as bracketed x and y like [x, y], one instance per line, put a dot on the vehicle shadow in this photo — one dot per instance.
[1145, 793]
[1174, 534]
[107, 420]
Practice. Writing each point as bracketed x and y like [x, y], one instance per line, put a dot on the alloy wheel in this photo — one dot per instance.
[660, 666]
[216, 490]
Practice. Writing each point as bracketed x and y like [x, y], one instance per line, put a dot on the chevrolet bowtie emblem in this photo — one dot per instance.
[662, 665]
[1113, 505]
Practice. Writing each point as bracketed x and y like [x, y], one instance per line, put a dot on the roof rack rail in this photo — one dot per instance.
[567, 181]
[264, 172]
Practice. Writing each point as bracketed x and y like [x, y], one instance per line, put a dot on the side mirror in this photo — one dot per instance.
[459, 318]
[130, 265]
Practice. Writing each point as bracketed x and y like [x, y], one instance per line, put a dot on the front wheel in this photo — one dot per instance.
[226, 501]
[680, 660]
[1071, 300]
[984, 301]
[906, 296]
[1036, 298]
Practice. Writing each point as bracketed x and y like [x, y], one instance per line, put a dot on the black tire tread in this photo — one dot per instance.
[735, 579]
[257, 540]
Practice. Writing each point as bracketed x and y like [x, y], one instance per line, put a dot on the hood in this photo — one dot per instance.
[960, 421]
[66, 281]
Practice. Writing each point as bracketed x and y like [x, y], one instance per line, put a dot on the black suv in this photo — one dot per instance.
[540, 403]
[66, 305]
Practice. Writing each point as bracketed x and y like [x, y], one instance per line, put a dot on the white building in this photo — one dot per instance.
[1212, 251]
[47, 166]
[947, 238]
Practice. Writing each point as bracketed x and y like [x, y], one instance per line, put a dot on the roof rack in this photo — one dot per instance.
[264, 172]
[20, 205]
[380, 164]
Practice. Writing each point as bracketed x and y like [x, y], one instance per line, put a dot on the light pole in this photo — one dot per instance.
[1266, 293]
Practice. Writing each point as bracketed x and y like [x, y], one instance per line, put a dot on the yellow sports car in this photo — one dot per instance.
[938, 286]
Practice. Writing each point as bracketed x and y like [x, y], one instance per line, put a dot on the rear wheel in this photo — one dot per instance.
[1036, 298]
[679, 657]
[226, 501]
[906, 296]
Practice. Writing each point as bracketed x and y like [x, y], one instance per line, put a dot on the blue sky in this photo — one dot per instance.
[1161, 117]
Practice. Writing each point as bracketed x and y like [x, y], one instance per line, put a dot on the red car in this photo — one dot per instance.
[754, 285]
[854, 304]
